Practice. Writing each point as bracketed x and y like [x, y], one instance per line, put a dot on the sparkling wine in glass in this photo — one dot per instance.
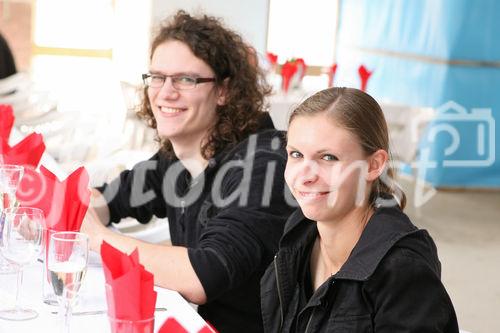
[10, 176]
[67, 264]
[21, 244]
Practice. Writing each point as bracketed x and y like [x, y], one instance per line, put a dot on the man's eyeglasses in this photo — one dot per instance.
[180, 82]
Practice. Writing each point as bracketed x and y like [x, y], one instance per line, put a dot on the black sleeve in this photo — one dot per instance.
[408, 296]
[137, 193]
[243, 237]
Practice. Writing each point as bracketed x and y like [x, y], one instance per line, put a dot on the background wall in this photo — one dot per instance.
[428, 53]
[15, 26]
[249, 18]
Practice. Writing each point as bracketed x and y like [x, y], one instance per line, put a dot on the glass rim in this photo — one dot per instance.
[13, 210]
[79, 236]
[11, 167]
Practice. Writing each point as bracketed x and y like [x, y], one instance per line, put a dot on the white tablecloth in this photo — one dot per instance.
[92, 297]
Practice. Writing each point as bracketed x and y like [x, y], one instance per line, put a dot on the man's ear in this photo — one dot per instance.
[222, 92]
[376, 164]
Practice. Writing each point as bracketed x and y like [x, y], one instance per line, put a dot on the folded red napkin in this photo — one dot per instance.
[331, 74]
[64, 203]
[288, 70]
[6, 121]
[272, 58]
[171, 325]
[301, 67]
[129, 287]
[364, 75]
[28, 152]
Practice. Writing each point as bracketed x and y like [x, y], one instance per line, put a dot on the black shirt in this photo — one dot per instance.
[230, 218]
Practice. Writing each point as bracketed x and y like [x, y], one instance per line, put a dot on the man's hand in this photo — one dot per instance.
[95, 220]
[93, 227]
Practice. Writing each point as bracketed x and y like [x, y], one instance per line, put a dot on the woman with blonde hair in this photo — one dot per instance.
[350, 260]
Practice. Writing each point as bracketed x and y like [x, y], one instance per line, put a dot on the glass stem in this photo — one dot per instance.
[66, 312]
[19, 285]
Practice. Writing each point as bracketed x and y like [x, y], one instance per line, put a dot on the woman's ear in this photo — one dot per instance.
[376, 164]
[222, 92]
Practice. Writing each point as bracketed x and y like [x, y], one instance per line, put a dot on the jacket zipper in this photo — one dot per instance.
[279, 292]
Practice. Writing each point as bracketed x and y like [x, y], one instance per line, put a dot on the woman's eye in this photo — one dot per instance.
[295, 154]
[330, 157]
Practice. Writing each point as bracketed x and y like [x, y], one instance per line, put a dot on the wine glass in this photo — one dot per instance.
[21, 244]
[10, 176]
[67, 264]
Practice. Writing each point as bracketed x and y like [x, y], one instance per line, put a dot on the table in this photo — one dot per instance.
[92, 297]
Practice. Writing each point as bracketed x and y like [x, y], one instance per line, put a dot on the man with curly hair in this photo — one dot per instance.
[218, 176]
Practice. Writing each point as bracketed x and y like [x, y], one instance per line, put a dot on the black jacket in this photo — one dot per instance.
[230, 244]
[390, 282]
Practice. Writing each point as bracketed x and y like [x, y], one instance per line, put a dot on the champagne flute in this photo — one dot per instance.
[10, 176]
[21, 244]
[67, 264]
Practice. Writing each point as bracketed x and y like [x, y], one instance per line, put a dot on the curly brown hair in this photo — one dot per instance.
[360, 114]
[235, 67]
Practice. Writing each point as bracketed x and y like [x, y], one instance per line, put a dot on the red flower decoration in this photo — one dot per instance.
[288, 70]
[331, 74]
[364, 75]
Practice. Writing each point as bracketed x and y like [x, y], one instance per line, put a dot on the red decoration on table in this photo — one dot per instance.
[28, 152]
[171, 325]
[64, 203]
[301, 67]
[364, 75]
[6, 121]
[331, 74]
[272, 58]
[288, 70]
[129, 286]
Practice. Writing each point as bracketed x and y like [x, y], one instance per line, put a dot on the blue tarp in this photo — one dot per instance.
[428, 53]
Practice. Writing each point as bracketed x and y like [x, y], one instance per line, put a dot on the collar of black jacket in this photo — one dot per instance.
[387, 226]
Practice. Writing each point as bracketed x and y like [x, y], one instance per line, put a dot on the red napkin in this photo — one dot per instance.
[288, 70]
[28, 152]
[331, 74]
[6, 121]
[302, 67]
[272, 58]
[171, 325]
[129, 292]
[64, 203]
[364, 75]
